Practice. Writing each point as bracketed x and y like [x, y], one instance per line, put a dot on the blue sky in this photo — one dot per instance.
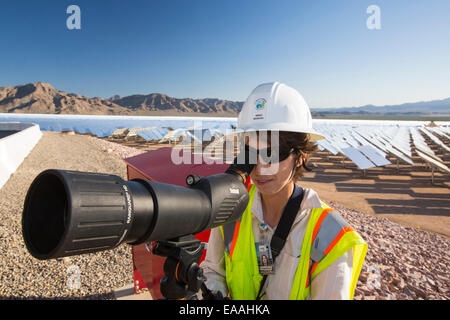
[223, 49]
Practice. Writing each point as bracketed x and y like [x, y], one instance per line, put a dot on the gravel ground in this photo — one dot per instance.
[401, 263]
[90, 276]
[119, 150]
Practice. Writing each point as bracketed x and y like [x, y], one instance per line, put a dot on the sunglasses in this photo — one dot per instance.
[269, 155]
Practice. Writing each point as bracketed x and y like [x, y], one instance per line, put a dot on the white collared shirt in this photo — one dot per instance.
[333, 283]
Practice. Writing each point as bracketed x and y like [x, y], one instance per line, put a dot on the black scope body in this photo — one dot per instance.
[70, 213]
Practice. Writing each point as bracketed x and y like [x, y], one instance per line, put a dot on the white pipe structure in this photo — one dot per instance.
[15, 144]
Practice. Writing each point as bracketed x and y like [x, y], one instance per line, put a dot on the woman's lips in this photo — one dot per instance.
[262, 182]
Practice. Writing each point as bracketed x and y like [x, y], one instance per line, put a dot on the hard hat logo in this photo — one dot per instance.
[260, 103]
[259, 113]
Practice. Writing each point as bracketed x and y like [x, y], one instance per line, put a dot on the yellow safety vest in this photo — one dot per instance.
[328, 236]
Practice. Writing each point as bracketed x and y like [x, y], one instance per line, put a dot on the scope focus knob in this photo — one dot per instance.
[192, 179]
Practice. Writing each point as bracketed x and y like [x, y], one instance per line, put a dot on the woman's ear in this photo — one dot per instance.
[299, 161]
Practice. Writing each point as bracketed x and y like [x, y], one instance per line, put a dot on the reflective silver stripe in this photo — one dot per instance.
[330, 227]
[228, 232]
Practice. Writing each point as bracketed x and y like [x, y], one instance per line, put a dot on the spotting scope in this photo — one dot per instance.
[70, 212]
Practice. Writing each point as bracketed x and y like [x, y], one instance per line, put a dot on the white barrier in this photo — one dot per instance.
[15, 146]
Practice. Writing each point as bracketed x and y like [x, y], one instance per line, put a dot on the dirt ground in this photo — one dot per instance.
[406, 196]
[400, 192]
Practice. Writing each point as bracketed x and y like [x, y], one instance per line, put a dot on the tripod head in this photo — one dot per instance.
[183, 276]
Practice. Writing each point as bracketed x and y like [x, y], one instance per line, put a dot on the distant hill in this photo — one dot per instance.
[424, 108]
[160, 102]
[42, 97]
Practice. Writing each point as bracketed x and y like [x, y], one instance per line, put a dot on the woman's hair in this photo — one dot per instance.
[302, 145]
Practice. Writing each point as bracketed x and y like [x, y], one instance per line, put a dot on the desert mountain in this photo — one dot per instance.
[42, 97]
[158, 102]
[423, 107]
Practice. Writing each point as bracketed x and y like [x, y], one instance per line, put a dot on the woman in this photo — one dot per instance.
[322, 255]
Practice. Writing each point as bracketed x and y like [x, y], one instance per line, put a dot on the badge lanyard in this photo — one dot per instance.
[281, 233]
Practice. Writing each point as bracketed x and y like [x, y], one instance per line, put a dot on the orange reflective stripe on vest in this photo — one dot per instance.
[235, 236]
[338, 237]
[319, 222]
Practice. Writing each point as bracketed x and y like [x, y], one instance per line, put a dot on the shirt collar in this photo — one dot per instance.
[258, 212]
[257, 209]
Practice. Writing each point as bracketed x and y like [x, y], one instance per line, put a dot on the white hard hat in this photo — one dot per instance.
[277, 107]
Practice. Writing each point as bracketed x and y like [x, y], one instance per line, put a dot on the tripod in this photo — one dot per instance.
[183, 276]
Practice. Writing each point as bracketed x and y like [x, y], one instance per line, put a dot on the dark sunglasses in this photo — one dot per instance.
[269, 155]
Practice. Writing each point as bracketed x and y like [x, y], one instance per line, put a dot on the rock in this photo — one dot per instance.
[392, 288]
[420, 292]
[402, 296]
[413, 291]
[365, 290]
[431, 282]
[389, 273]
[363, 277]
[440, 290]
[67, 261]
[399, 283]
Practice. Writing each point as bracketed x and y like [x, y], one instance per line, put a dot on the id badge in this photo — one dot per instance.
[265, 261]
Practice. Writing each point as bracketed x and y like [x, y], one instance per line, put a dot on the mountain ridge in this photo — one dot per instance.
[41, 97]
[420, 106]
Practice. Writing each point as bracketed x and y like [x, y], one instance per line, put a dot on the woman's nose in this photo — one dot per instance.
[263, 168]
[261, 163]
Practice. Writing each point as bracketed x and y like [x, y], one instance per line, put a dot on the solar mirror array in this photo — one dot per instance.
[428, 155]
[367, 143]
